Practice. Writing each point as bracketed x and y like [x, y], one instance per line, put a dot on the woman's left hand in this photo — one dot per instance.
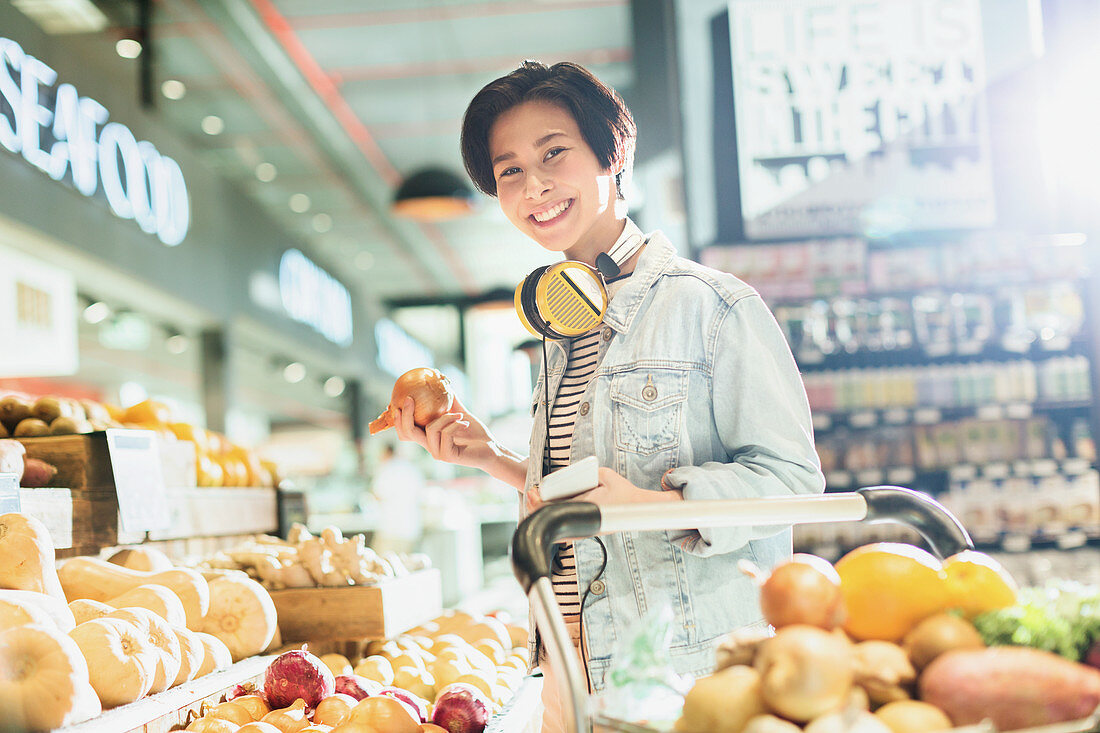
[614, 489]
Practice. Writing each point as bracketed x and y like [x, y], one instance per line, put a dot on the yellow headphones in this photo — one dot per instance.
[569, 298]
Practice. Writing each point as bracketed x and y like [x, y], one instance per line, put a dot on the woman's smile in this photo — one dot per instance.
[549, 216]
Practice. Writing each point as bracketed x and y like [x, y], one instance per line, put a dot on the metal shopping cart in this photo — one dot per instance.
[537, 533]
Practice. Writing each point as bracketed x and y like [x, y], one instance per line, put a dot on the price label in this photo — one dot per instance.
[1018, 411]
[822, 421]
[927, 416]
[896, 416]
[139, 483]
[865, 419]
[9, 493]
[901, 476]
[990, 412]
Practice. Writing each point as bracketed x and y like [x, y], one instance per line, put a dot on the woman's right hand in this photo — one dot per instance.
[455, 437]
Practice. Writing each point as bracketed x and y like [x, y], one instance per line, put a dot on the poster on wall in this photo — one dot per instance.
[860, 116]
[37, 318]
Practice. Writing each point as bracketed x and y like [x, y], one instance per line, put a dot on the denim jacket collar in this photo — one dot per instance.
[653, 261]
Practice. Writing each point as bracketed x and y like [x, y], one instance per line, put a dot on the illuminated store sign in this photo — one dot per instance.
[313, 297]
[60, 132]
[860, 116]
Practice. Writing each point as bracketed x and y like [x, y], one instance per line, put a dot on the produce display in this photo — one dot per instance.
[307, 561]
[891, 640]
[219, 462]
[90, 634]
[451, 674]
[32, 472]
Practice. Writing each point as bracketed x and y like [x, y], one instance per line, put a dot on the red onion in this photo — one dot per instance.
[246, 689]
[461, 708]
[297, 674]
[417, 703]
[357, 686]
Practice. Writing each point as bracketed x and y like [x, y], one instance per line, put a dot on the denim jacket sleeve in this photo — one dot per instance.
[762, 418]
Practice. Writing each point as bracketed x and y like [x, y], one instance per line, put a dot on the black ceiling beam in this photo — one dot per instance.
[458, 301]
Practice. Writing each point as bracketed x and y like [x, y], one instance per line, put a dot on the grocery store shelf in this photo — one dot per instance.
[859, 419]
[175, 708]
[917, 356]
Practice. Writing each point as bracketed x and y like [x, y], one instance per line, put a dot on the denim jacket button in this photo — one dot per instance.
[597, 587]
[649, 393]
[607, 334]
[584, 408]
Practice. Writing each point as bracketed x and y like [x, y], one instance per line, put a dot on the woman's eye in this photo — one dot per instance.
[508, 172]
[553, 152]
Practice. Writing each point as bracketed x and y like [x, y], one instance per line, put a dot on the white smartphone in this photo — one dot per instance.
[574, 479]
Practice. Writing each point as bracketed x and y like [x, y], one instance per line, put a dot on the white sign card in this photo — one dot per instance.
[860, 116]
[9, 493]
[37, 318]
[139, 483]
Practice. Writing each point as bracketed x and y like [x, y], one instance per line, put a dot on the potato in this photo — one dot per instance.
[1015, 687]
[912, 716]
[31, 427]
[48, 409]
[938, 634]
[722, 702]
[14, 410]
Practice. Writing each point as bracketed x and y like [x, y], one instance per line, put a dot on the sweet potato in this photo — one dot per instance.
[36, 473]
[1015, 687]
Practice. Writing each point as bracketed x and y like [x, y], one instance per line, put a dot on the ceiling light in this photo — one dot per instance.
[128, 48]
[322, 223]
[334, 386]
[173, 89]
[300, 203]
[97, 312]
[364, 260]
[434, 194]
[60, 17]
[213, 125]
[176, 344]
[266, 172]
[294, 372]
[131, 393]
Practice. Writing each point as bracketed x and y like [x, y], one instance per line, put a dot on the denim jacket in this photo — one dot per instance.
[696, 381]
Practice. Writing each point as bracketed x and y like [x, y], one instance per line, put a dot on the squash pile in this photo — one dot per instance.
[91, 634]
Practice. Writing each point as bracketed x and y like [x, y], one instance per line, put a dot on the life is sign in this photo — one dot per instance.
[67, 135]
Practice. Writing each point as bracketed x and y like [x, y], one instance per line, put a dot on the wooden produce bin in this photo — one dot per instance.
[358, 612]
[173, 709]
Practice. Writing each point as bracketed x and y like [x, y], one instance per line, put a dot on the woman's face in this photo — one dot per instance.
[550, 184]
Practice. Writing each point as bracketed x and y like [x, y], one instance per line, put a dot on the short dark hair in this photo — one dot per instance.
[602, 116]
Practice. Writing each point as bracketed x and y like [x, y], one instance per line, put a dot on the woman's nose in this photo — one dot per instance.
[536, 185]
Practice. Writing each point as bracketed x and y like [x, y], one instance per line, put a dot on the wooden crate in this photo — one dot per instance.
[211, 512]
[359, 612]
[83, 462]
[173, 709]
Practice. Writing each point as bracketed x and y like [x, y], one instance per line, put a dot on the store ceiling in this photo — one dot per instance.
[347, 97]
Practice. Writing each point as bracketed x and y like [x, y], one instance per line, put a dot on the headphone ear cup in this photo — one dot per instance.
[527, 308]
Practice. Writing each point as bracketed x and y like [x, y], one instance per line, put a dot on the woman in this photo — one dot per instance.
[686, 391]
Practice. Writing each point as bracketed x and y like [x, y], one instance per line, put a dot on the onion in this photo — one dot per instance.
[804, 672]
[255, 704]
[431, 395]
[431, 728]
[805, 590]
[357, 686]
[290, 719]
[416, 702]
[297, 674]
[333, 709]
[232, 712]
[257, 727]
[207, 724]
[461, 708]
[384, 713]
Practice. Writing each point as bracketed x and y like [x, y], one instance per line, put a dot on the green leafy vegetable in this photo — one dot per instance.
[1063, 618]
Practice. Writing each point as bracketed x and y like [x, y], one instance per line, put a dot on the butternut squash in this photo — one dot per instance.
[192, 654]
[58, 614]
[44, 680]
[121, 662]
[147, 559]
[99, 580]
[27, 556]
[156, 598]
[85, 609]
[241, 614]
[216, 654]
[164, 641]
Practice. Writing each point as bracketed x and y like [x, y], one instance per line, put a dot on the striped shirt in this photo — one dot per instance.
[584, 357]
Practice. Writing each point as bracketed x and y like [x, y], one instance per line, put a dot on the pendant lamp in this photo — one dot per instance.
[434, 194]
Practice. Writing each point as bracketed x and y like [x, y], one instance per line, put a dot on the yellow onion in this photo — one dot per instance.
[431, 394]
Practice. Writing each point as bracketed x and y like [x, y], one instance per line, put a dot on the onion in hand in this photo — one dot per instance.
[431, 394]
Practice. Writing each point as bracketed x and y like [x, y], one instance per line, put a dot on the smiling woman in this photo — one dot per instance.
[681, 381]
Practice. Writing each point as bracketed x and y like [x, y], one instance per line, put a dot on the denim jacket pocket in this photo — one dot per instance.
[647, 405]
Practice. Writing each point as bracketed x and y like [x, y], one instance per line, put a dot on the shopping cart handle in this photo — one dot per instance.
[932, 520]
[537, 534]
